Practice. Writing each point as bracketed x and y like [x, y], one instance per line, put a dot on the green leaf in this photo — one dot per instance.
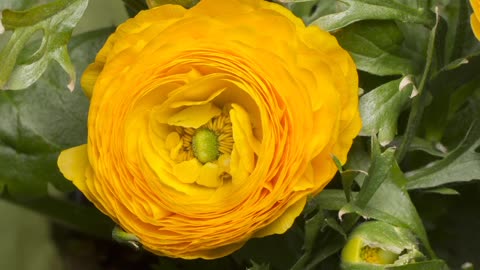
[421, 99]
[37, 124]
[419, 144]
[375, 47]
[55, 21]
[310, 10]
[450, 89]
[134, 6]
[442, 191]
[331, 199]
[320, 245]
[381, 107]
[383, 197]
[358, 10]
[280, 251]
[461, 165]
[459, 41]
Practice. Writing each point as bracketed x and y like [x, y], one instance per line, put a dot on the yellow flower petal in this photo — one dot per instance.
[285, 221]
[245, 143]
[89, 78]
[475, 18]
[475, 23]
[188, 171]
[209, 175]
[194, 116]
[73, 164]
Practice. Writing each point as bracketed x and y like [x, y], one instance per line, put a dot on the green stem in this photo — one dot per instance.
[419, 103]
[78, 217]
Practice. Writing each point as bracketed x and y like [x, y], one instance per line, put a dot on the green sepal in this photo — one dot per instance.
[123, 237]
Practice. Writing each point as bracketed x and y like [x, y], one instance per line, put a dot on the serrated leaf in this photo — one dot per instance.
[383, 196]
[461, 165]
[37, 124]
[380, 109]
[56, 21]
[358, 10]
[375, 47]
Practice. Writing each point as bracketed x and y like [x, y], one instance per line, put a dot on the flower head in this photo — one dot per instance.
[212, 125]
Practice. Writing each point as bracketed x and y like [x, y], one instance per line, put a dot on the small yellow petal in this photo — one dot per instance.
[245, 143]
[194, 116]
[209, 175]
[187, 171]
[224, 162]
[73, 164]
[89, 78]
[172, 140]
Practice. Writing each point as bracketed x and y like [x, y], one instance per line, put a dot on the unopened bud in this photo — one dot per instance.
[374, 244]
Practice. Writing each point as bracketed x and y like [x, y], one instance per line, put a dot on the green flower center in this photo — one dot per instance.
[205, 145]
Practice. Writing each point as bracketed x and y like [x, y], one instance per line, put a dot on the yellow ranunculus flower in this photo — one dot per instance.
[212, 125]
[475, 17]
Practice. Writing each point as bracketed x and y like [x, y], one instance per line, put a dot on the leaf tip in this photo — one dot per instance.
[406, 81]
[467, 266]
[360, 91]
[414, 92]
[71, 85]
[440, 147]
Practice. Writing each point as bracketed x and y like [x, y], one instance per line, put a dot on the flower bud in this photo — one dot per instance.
[374, 244]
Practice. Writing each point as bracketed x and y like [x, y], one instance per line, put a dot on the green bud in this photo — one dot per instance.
[375, 244]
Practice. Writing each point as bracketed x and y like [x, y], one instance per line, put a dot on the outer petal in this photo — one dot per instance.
[475, 18]
[73, 164]
[285, 221]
